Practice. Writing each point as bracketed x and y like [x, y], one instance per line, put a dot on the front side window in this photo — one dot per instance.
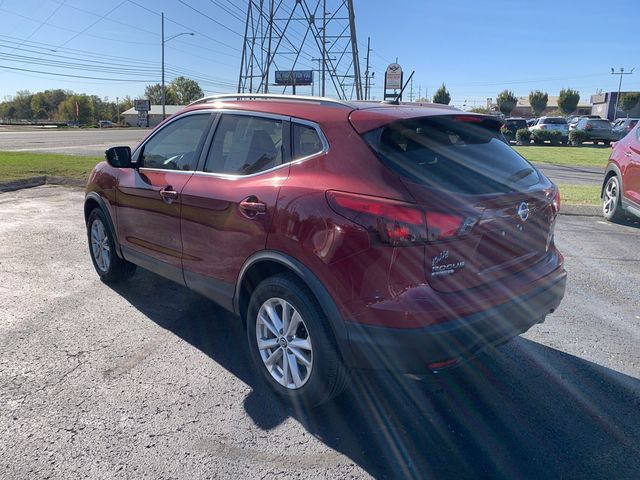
[244, 144]
[175, 146]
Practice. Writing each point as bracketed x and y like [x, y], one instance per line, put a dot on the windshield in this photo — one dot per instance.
[554, 121]
[448, 154]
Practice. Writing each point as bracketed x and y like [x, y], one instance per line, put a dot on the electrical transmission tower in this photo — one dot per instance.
[288, 35]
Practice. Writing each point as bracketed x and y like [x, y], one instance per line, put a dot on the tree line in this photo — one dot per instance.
[63, 106]
[568, 100]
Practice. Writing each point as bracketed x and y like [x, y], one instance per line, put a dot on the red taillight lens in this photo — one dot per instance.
[391, 221]
[555, 202]
[588, 127]
[395, 222]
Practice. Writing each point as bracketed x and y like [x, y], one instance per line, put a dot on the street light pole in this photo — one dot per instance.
[621, 73]
[165, 40]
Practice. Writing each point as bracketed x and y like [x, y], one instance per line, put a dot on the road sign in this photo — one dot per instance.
[294, 77]
[393, 77]
[142, 105]
[143, 119]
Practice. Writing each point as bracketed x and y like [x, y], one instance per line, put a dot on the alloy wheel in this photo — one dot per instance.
[284, 343]
[610, 200]
[100, 245]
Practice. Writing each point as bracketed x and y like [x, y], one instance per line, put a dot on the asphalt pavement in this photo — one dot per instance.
[93, 142]
[149, 380]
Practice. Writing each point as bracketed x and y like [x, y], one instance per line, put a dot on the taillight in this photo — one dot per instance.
[398, 223]
[555, 202]
[543, 127]
[588, 127]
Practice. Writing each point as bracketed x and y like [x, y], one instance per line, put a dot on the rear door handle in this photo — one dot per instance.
[168, 194]
[628, 154]
[250, 207]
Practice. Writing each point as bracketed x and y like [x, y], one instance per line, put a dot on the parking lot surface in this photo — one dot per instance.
[148, 380]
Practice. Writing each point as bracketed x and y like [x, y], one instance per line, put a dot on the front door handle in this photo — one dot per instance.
[250, 207]
[628, 154]
[168, 194]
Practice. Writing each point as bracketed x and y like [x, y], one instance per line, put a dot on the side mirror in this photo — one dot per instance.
[119, 157]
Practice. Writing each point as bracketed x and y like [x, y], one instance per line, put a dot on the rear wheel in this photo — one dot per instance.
[607, 142]
[109, 266]
[291, 342]
[611, 204]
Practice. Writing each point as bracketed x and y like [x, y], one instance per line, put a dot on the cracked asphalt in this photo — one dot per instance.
[151, 381]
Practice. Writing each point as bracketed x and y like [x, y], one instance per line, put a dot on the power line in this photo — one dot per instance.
[78, 76]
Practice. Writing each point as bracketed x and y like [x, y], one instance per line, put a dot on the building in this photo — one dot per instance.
[604, 104]
[130, 117]
[523, 108]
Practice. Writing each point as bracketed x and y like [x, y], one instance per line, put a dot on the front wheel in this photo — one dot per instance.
[102, 248]
[611, 204]
[291, 342]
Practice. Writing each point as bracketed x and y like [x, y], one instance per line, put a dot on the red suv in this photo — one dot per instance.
[621, 187]
[344, 235]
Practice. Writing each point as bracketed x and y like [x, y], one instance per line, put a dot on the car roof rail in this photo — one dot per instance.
[271, 96]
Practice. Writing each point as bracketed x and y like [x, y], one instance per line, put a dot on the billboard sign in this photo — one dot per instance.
[142, 105]
[294, 77]
[393, 77]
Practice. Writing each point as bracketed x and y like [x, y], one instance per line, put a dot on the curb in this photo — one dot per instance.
[39, 181]
[580, 210]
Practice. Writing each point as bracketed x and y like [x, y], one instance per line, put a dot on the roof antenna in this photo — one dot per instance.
[396, 101]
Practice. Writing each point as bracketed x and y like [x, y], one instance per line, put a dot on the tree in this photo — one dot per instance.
[484, 110]
[154, 94]
[568, 100]
[507, 101]
[186, 90]
[538, 101]
[442, 96]
[85, 109]
[628, 101]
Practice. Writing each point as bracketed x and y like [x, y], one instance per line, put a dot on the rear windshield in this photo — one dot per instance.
[447, 153]
[554, 121]
[516, 123]
[600, 123]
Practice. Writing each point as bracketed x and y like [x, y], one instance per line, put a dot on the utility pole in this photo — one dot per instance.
[366, 71]
[411, 91]
[621, 73]
[118, 110]
[324, 44]
[165, 40]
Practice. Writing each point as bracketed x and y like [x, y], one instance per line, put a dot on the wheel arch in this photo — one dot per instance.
[268, 263]
[611, 170]
[93, 201]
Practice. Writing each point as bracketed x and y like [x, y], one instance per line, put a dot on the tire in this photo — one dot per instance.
[607, 142]
[102, 249]
[611, 204]
[315, 372]
[595, 142]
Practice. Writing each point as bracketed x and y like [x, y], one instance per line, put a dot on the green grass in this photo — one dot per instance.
[19, 165]
[575, 156]
[579, 194]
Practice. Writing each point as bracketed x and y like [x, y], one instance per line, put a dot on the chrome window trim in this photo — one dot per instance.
[292, 120]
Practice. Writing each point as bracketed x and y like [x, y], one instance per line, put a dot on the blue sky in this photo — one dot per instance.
[476, 48]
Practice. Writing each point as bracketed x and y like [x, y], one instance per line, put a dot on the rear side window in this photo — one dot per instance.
[243, 145]
[306, 141]
[449, 153]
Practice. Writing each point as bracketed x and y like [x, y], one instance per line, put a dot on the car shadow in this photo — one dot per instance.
[523, 411]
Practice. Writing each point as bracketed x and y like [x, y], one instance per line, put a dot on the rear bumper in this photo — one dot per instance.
[413, 349]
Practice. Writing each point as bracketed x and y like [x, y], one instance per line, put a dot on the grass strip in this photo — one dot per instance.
[574, 156]
[20, 165]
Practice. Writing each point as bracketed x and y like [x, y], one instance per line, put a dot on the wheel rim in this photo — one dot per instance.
[610, 197]
[100, 245]
[284, 343]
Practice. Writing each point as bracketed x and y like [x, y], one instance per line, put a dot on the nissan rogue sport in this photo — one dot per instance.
[343, 235]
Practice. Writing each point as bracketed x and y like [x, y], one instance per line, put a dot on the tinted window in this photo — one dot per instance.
[638, 133]
[448, 154]
[244, 144]
[174, 147]
[554, 121]
[600, 123]
[306, 141]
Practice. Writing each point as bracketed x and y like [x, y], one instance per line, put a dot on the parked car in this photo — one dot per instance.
[596, 130]
[107, 124]
[531, 122]
[513, 124]
[621, 187]
[344, 235]
[623, 126]
[553, 124]
[573, 120]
